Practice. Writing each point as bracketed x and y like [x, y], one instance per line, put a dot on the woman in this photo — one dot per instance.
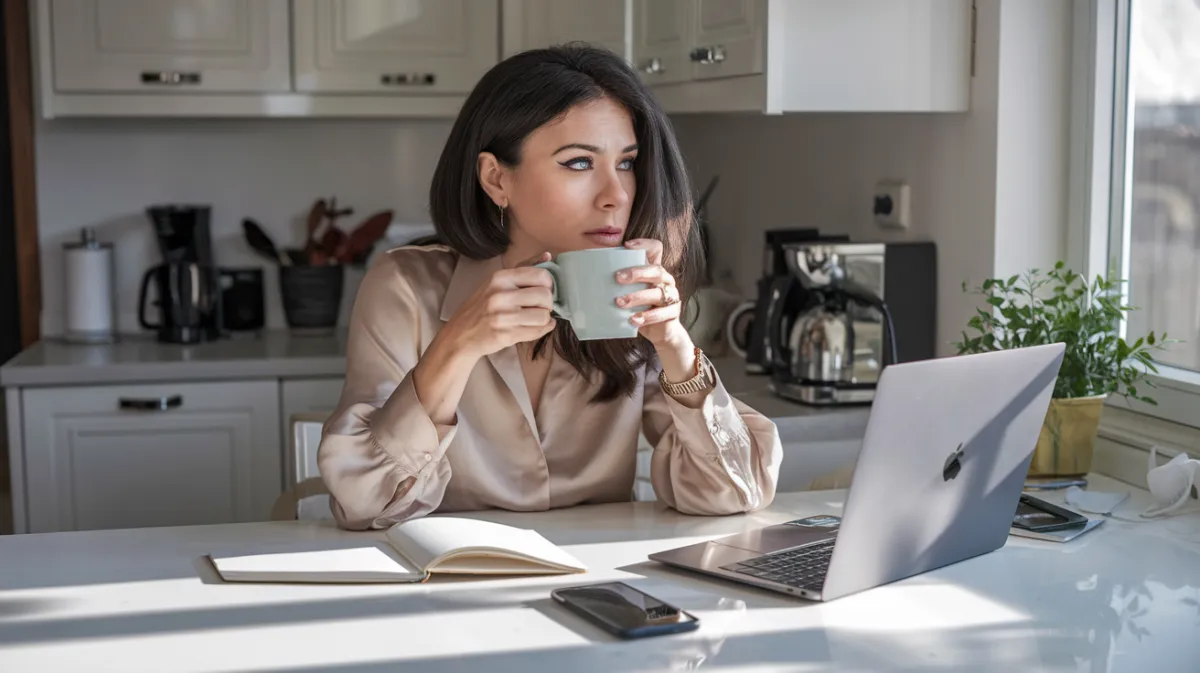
[463, 392]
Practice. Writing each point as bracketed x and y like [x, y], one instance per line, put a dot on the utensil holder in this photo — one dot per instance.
[312, 295]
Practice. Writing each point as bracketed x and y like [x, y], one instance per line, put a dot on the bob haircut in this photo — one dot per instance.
[512, 100]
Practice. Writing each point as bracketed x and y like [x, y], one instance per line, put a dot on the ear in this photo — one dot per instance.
[494, 178]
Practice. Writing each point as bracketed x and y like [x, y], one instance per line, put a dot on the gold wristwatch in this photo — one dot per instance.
[704, 378]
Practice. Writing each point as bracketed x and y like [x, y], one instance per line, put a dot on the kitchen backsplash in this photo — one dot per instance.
[103, 174]
[794, 171]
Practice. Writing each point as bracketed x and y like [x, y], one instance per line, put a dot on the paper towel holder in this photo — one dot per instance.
[88, 289]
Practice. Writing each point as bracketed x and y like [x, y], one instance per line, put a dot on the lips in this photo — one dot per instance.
[605, 235]
[605, 231]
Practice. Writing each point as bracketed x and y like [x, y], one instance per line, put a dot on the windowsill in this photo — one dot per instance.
[1177, 392]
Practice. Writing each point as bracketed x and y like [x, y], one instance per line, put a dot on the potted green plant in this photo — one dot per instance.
[1059, 305]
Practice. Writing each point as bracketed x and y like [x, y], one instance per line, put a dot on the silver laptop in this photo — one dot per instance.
[939, 475]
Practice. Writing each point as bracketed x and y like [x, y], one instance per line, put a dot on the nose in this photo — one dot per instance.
[613, 194]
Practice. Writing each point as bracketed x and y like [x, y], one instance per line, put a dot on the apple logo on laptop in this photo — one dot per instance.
[953, 464]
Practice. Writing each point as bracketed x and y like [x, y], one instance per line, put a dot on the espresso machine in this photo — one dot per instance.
[187, 282]
[774, 295]
[845, 311]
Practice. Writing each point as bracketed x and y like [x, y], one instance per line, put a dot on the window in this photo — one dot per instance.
[1163, 230]
[1139, 205]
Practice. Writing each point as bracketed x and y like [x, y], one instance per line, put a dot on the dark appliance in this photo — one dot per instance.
[850, 310]
[774, 292]
[243, 307]
[187, 282]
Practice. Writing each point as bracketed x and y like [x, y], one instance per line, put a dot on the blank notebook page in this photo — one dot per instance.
[425, 539]
[360, 562]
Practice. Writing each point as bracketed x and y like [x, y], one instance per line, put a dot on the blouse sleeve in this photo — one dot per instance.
[721, 458]
[381, 456]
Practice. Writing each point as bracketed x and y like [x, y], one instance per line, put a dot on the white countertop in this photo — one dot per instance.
[284, 354]
[277, 353]
[1124, 597]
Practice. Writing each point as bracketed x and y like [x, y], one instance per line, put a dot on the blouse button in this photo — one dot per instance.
[428, 457]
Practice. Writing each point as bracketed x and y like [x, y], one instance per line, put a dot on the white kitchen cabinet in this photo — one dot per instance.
[778, 56]
[315, 397]
[420, 58]
[727, 38]
[124, 456]
[660, 40]
[167, 46]
[394, 46]
[530, 24]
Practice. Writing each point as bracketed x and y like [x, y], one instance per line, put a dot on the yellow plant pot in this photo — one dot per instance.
[1064, 448]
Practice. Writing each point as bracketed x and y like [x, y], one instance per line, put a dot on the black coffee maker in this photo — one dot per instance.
[187, 283]
[776, 293]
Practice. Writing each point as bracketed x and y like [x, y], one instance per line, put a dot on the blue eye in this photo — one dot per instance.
[580, 164]
[627, 164]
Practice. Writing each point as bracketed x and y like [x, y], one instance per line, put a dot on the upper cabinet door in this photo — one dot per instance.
[529, 24]
[660, 40]
[728, 38]
[394, 46]
[169, 46]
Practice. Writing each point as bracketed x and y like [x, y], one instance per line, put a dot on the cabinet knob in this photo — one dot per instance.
[714, 54]
[151, 403]
[408, 78]
[170, 78]
[653, 67]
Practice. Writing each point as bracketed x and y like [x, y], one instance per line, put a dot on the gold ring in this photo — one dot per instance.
[667, 300]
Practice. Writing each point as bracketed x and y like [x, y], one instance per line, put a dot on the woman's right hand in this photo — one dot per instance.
[513, 306]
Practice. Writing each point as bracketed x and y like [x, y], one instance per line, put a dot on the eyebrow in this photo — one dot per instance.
[590, 148]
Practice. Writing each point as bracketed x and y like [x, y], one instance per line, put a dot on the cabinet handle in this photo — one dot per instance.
[408, 78]
[706, 55]
[170, 78]
[654, 67]
[152, 404]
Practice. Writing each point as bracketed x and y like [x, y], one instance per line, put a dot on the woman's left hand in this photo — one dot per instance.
[659, 321]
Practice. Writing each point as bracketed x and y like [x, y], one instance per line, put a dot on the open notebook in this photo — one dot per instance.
[412, 551]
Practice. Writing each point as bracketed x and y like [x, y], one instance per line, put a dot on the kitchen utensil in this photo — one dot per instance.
[702, 223]
[712, 185]
[262, 243]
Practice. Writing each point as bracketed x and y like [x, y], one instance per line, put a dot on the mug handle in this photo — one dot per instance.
[556, 276]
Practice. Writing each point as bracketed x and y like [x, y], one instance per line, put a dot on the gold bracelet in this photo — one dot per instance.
[702, 379]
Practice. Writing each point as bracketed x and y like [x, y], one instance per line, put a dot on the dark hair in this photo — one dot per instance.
[511, 101]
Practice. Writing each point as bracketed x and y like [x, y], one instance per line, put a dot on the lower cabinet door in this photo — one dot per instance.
[151, 455]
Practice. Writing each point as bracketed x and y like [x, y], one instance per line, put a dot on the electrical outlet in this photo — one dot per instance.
[891, 203]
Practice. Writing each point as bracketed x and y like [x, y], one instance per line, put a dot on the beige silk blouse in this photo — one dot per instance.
[383, 459]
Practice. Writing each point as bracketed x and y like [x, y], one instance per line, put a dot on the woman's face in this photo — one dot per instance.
[574, 184]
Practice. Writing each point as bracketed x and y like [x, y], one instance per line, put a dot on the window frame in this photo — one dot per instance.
[1101, 181]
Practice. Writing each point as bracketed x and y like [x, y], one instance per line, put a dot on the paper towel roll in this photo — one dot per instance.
[87, 284]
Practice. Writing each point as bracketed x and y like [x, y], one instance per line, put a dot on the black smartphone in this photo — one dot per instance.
[624, 611]
[1035, 514]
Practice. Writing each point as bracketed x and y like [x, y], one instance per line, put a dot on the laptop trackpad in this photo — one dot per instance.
[774, 538]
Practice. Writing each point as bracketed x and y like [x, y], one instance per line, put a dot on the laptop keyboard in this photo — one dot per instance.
[800, 567]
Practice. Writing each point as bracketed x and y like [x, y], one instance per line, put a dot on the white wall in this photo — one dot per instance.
[989, 187]
[1033, 135]
[103, 173]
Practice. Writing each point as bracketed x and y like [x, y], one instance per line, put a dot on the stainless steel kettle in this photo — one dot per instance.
[821, 346]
